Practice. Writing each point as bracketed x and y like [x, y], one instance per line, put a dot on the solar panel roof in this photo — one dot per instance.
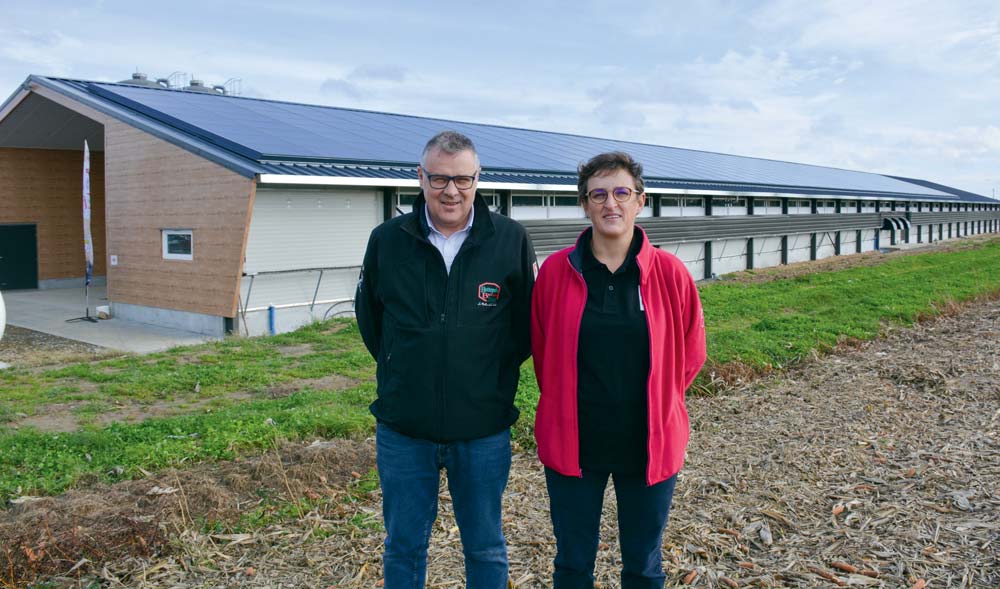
[965, 195]
[272, 133]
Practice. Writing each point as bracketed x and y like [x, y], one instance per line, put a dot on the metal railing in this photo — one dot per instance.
[243, 304]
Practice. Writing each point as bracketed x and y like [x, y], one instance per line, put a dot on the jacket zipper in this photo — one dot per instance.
[444, 345]
[649, 377]
[448, 304]
[576, 369]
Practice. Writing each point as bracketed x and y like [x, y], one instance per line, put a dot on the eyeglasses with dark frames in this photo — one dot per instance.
[600, 196]
[439, 181]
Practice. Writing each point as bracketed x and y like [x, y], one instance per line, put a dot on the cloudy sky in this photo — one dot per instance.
[906, 87]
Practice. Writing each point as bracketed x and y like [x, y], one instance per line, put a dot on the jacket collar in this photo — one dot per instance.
[644, 258]
[482, 223]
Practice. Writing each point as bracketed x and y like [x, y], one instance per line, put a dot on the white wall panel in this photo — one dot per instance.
[826, 245]
[534, 206]
[681, 207]
[527, 213]
[848, 242]
[798, 248]
[868, 240]
[299, 228]
[692, 254]
[767, 206]
[729, 255]
[799, 207]
[767, 252]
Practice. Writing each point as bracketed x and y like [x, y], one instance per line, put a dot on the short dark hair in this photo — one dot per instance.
[450, 142]
[608, 162]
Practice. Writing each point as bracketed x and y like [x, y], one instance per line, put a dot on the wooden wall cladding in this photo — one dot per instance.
[45, 187]
[154, 185]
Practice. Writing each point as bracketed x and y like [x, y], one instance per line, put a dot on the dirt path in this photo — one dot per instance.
[883, 460]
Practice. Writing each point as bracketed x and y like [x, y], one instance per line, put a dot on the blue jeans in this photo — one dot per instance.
[576, 504]
[409, 471]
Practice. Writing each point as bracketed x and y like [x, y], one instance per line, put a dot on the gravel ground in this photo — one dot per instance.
[25, 347]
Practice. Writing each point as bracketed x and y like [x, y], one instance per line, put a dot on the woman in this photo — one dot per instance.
[617, 337]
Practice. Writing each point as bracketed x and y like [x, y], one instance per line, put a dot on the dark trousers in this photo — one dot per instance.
[576, 505]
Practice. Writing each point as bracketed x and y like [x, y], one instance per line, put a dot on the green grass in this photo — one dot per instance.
[35, 462]
[760, 325]
[771, 324]
[190, 374]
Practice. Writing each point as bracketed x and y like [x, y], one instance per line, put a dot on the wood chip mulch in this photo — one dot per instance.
[877, 466]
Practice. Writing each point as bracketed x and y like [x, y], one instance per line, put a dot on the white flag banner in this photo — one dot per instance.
[88, 242]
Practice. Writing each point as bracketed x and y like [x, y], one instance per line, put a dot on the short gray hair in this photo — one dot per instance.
[450, 142]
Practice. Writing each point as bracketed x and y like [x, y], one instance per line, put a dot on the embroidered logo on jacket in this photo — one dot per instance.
[489, 294]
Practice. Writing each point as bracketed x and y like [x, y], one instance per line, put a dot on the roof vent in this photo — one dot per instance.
[199, 86]
[140, 79]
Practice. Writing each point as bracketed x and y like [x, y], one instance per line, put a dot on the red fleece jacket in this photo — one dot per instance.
[676, 354]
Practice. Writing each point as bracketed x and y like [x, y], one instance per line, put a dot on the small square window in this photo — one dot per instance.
[178, 244]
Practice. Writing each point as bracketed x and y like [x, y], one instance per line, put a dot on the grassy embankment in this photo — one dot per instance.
[230, 397]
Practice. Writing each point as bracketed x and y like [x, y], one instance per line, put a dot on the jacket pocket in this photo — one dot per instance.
[406, 382]
[404, 291]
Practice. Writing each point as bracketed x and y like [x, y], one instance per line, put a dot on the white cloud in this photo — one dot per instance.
[383, 73]
[50, 51]
[959, 37]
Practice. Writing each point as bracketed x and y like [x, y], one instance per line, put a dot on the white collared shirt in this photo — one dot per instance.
[448, 245]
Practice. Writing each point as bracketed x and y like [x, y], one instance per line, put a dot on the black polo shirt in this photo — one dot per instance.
[612, 366]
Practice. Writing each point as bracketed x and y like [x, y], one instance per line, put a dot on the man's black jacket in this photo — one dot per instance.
[448, 346]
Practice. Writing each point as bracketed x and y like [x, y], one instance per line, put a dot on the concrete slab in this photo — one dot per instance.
[47, 311]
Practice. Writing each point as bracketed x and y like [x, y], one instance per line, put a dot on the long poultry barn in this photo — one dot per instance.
[216, 213]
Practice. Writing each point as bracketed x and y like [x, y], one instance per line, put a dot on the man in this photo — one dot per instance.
[443, 306]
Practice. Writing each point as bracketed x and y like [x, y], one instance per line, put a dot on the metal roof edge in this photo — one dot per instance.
[320, 180]
[768, 189]
[687, 186]
[805, 191]
[14, 99]
[240, 165]
[301, 180]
